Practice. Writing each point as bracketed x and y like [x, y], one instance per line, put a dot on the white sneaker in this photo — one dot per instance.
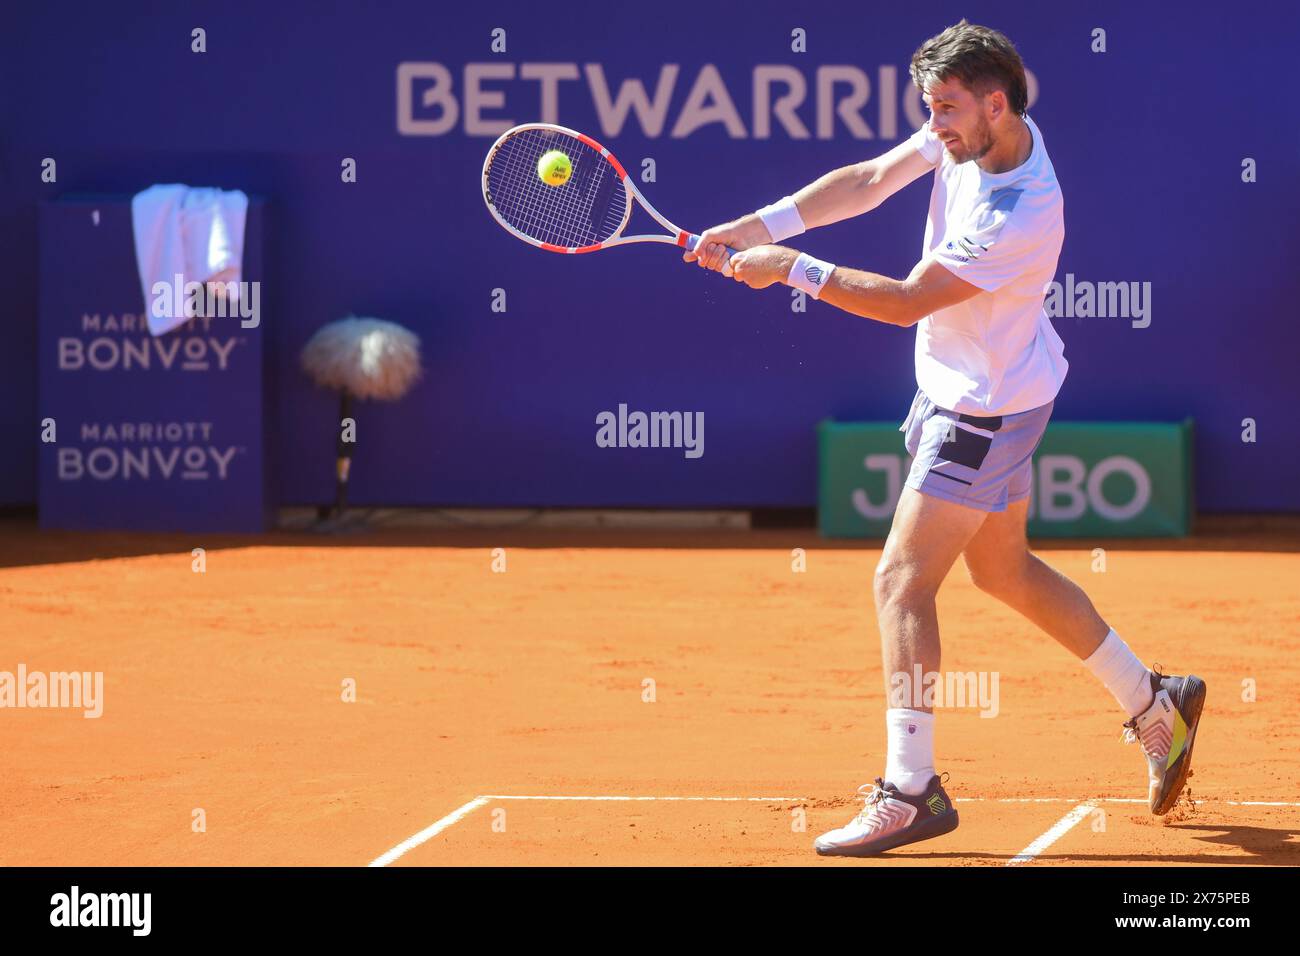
[1166, 731]
[891, 819]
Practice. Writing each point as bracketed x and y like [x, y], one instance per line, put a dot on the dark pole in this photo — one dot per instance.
[344, 455]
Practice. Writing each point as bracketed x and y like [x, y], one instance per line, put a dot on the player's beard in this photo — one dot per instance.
[982, 139]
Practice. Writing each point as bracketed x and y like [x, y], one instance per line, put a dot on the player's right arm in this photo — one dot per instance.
[841, 194]
[852, 190]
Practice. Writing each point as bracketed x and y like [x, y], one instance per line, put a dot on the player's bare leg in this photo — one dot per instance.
[1001, 565]
[908, 803]
[1164, 710]
[924, 541]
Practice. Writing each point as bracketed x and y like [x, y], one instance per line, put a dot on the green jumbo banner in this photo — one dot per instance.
[1091, 479]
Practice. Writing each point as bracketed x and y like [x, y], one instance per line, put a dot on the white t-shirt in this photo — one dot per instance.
[996, 353]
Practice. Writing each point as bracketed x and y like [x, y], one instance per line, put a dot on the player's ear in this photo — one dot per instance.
[997, 104]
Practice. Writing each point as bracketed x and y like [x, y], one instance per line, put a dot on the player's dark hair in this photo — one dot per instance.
[983, 59]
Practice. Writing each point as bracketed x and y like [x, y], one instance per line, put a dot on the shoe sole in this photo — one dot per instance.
[934, 827]
[1193, 701]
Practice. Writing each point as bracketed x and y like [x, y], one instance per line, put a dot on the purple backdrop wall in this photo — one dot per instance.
[1148, 140]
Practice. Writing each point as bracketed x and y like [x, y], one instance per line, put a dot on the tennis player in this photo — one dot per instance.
[988, 368]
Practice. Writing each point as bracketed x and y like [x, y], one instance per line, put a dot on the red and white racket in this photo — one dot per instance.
[589, 211]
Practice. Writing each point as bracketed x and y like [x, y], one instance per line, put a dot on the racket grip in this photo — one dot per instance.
[692, 240]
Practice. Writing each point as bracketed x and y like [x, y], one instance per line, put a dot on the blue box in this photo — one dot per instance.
[142, 433]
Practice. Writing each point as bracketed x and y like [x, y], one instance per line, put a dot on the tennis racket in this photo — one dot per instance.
[589, 211]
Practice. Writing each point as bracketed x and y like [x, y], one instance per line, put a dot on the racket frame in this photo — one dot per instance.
[679, 237]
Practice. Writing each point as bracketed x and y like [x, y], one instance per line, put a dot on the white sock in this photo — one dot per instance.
[910, 763]
[1123, 674]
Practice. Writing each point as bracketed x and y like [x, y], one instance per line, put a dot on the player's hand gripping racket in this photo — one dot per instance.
[586, 209]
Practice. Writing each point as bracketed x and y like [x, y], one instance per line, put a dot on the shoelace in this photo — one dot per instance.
[872, 794]
[1130, 734]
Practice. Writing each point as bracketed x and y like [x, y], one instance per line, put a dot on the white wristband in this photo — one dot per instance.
[810, 275]
[782, 219]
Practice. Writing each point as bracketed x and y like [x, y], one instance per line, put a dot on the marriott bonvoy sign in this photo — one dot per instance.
[161, 432]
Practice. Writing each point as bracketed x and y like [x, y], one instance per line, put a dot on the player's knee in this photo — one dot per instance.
[896, 582]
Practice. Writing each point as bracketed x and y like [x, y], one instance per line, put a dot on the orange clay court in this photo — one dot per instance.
[500, 718]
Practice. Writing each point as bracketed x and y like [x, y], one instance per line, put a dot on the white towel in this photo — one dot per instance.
[197, 234]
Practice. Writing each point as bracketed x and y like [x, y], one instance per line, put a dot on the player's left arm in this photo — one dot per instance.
[902, 302]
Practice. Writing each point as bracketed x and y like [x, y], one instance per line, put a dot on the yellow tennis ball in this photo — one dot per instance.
[554, 168]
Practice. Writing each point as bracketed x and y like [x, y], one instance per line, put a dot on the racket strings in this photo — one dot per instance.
[587, 209]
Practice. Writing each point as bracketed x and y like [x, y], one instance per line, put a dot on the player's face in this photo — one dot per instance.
[957, 118]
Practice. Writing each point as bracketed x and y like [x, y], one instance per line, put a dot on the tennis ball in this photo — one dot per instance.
[554, 168]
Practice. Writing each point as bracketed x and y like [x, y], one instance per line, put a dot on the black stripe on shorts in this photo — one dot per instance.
[951, 477]
[990, 423]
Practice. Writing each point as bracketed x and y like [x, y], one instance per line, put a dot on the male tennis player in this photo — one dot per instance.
[988, 366]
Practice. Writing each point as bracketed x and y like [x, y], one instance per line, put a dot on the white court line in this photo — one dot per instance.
[506, 796]
[1058, 830]
[1231, 803]
[465, 810]
[1027, 854]
[428, 832]
[1143, 800]
[1048, 799]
